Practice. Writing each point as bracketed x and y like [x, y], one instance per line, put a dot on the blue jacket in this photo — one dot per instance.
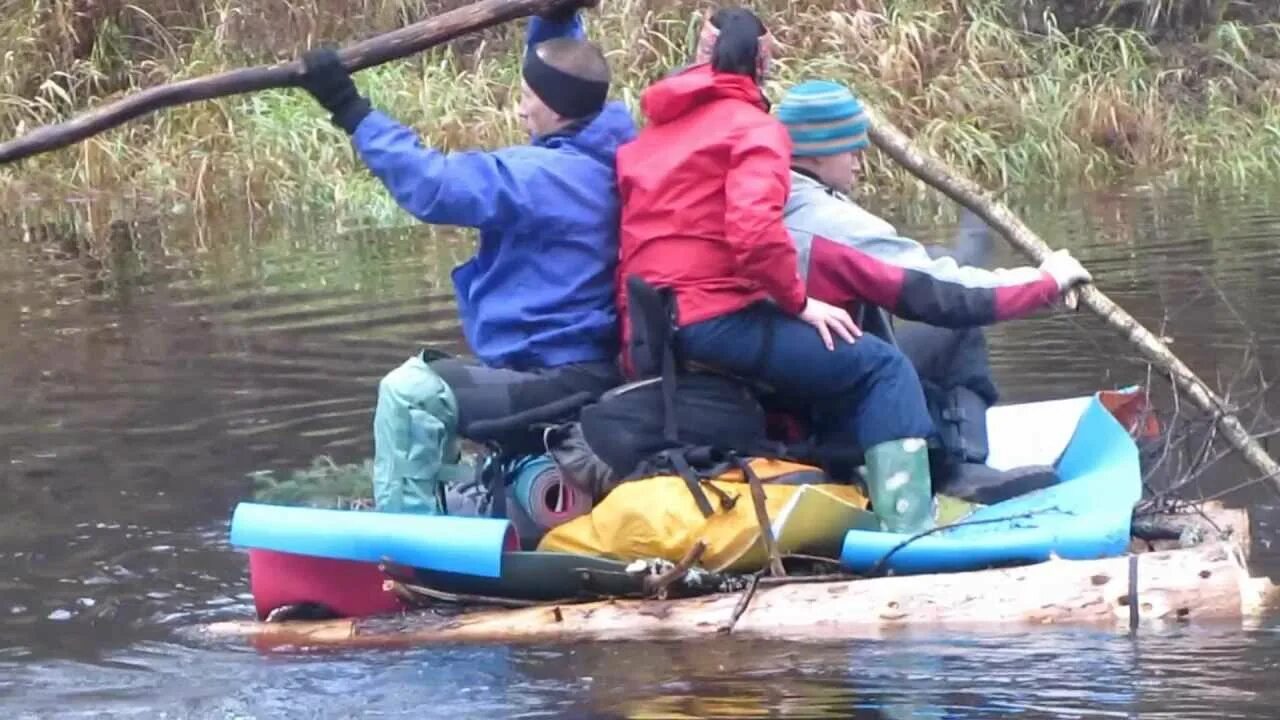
[540, 290]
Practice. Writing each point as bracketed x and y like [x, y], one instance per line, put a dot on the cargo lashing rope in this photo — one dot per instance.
[879, 567]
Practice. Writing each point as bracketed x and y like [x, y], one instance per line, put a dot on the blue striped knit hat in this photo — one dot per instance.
[824, 118]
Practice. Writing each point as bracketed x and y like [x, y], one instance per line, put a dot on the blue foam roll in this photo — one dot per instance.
[467, 545]
[544, 496]
[863, 549]
[1087, 515]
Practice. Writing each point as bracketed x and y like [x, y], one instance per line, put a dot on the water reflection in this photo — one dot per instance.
[148, 366]
[1200, 672]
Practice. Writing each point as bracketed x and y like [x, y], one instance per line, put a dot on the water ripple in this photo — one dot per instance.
[144, 380]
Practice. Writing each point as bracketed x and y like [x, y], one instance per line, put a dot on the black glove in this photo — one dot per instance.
[330, 84]
[564, 11]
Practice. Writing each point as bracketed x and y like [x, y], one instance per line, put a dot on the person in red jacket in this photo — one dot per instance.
[703, 187]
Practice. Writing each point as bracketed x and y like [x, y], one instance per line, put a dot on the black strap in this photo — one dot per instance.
[548, 413]
[727, 501]
[748, 472]
[670, 430]
[710, 461]
[431, 354]
[653, 317]
[691, 481]
[496, 485]
[875, 320]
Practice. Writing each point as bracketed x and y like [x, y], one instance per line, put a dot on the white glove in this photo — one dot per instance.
[1065, 270]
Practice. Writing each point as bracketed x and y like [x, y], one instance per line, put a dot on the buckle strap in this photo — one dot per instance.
[691, 481]
[727, 501]
[762, 516]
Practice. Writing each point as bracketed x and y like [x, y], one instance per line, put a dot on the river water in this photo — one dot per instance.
[147, 367]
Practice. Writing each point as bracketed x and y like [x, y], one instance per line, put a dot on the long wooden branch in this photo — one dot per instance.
[966, 192]
[365, 54]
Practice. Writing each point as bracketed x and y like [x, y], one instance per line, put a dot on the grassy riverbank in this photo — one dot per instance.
[1009, 105]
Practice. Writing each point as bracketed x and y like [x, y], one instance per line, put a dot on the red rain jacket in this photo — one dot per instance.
[703, 187]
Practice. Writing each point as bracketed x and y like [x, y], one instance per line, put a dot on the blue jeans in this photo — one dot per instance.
[866, 392]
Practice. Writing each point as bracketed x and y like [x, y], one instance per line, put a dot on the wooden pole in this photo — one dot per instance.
[365, 54]
[1207, 582]
[951, 183]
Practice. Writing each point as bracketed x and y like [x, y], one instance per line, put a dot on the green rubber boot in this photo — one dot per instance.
[899, 484]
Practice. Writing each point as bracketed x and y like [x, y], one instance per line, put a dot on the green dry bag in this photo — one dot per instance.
[415, 435]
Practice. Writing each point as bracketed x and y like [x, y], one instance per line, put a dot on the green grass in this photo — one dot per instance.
[325, 484]
[1008, 106]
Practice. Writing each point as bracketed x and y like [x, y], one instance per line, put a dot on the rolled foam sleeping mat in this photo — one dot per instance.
[1086, 515]
[544, 496]
[466, 545]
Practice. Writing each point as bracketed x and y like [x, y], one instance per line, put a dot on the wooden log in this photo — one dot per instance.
[1208, 582]
[951, 183]
[377, 50]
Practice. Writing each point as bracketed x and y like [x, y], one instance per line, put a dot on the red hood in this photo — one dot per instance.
[672, 97]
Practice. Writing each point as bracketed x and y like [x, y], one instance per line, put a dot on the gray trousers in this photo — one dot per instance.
[493, 394]
[485, 393]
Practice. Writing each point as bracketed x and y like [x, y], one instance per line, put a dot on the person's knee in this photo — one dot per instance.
[414, 383]
[894, 395]
[457, 372]
[415, 435]
[883, 362]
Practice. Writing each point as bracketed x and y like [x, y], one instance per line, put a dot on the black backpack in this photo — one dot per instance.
[624, 435]
[646, 426]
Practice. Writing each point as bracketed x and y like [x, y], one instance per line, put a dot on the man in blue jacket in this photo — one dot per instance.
[537, 300]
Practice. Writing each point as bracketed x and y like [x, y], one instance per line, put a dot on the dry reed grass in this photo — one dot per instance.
[969, 79]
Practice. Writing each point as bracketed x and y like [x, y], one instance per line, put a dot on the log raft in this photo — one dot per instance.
[1207, 582]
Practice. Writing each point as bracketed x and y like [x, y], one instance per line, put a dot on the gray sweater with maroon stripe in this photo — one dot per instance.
[849, 256]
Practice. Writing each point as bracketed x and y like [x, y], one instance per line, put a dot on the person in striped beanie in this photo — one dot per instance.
[851, 258]
[828, 128]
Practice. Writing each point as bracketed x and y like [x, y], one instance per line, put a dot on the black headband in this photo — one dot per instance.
[570, 96]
